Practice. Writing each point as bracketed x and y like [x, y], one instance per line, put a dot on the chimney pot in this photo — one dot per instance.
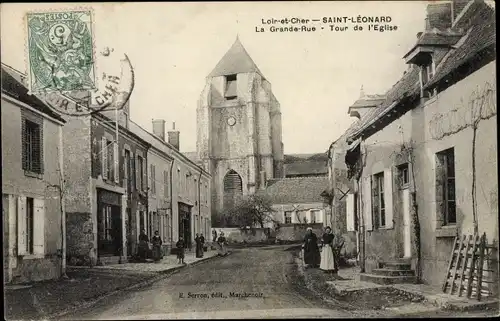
[173, 137]
[159, 128]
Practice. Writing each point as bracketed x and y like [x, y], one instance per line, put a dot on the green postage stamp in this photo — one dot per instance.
[60, 51]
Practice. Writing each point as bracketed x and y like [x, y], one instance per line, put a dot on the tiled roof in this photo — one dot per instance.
[235, 61]
[438, 38]
[480, 36]
[296, 190]
[368, 102]
[314, 167]
[13, 86]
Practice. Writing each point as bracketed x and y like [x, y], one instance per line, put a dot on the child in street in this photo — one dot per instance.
[180, 250]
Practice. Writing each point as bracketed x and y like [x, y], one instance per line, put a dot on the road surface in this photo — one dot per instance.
[249, 283]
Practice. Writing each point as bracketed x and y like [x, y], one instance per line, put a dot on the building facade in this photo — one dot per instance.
[180, 192]
[238, 128]
[421, 175]
[32, 165]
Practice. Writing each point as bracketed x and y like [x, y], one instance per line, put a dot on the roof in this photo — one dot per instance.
[436, 37]
[235, 61]
[368, 101]
[296, 190]
[314, 167]
[291, 158]
[408, 85]
[13, 86]
[480, 36]
[193, 156]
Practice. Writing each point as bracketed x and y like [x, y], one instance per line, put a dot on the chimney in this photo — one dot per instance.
[439, 16]
[173, 137]
[263, 181]
[159, 128]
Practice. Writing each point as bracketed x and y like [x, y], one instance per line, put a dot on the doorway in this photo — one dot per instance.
[185, 223]
[406, 222]
[110, 230]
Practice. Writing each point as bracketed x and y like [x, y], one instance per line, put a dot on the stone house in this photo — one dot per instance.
[417, 155]
[179, 193]
[297, 200]
[341, 190]
[32, 165]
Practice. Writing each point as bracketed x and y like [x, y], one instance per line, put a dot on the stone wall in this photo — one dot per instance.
[237, 235]
[297, 232]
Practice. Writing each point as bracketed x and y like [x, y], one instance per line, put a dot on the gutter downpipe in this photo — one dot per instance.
[171, 204]
[199, 196]
[62, 205]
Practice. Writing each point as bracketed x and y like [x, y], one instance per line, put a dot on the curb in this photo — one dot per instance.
[160, 275]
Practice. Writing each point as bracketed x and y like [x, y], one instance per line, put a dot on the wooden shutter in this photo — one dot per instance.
[137, 173]
[389, 216]
[117, 162]
[21, 225]
[39, 226]
[350, 213]
[367, 198]
[165, 182]
[23, 143]
[104, 158]
[144, 175]
[39, 148]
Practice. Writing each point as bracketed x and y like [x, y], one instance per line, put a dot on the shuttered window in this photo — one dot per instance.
[153, 178]
[288, 217]
[30, 226]
[104, 158]
[165, 184]
[116, 167]
[378, 200]
[32, 143]
[350, 219]
[139, 172]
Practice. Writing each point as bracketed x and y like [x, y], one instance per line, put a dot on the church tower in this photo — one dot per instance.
[238, 128]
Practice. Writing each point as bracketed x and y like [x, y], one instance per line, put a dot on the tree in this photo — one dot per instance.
[249, 211]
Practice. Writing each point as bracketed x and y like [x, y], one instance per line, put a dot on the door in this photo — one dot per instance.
[406, 222]
[110, 230]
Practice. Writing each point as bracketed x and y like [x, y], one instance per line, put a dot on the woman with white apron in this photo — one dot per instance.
[327, 257]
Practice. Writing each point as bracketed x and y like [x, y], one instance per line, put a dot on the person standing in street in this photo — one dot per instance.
[199, 246]
[327, 258]
[311, 251]
[156, 240]
[180, 250]
[142, 251]
[222, 244]
[202, 240]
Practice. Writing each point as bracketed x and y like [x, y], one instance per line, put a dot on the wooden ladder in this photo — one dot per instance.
[465, 267]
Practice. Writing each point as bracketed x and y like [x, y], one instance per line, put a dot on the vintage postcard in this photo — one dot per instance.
[338, 160]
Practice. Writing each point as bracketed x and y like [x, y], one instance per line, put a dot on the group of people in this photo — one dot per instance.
[143, 248]
[328, 258]
[220, 243]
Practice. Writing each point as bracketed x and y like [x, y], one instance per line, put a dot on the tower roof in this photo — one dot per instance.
[235, 61]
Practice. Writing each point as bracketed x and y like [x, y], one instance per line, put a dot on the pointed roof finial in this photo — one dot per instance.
[361, 92]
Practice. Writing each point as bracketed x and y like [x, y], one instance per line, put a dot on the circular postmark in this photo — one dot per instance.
[114, 86]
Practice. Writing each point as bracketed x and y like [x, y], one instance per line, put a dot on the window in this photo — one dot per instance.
[314, 216]
[231, 89]
[288, 217]
[153, 176]
[207, 195]
[127, 170]
[378, 199]
[32, 146]
[111, 159]
[403, 175]
[233, 189]
[165, 184]
[30, 226]
[445, 186]
[140, 172]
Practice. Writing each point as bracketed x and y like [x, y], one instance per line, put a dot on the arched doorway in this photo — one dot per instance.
[233, 188]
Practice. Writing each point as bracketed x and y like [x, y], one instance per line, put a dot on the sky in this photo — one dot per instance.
[315, 76]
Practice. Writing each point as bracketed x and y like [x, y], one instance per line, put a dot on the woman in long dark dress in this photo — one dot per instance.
[202, 240]
[180, 250]
[143, 246]
[311, 250]
[156, 240]
[199, 246]
[327, 256]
